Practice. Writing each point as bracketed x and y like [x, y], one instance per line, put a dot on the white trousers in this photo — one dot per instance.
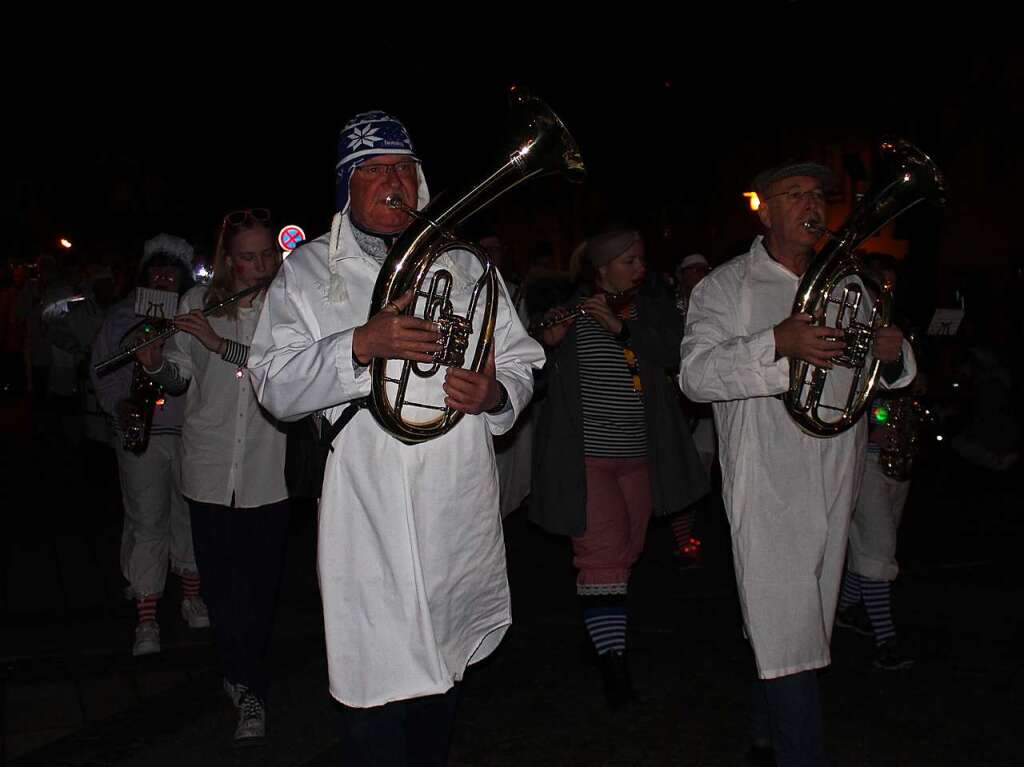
[876, 523]
[157, 528]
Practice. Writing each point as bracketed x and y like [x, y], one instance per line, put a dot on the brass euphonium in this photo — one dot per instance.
[543, 146]
[836, 285]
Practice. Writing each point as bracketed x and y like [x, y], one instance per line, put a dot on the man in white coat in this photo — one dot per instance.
[411, 558]
[788, 495]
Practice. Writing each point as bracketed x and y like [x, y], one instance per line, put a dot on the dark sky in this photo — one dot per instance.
[191, 132]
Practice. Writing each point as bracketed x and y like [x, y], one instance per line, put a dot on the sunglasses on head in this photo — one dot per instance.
[239, 217]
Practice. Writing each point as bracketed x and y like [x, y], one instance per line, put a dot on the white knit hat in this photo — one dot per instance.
[168, 245]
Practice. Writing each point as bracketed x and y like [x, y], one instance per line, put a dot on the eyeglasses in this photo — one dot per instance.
[796, 197]
[404, 169]
[239, 217]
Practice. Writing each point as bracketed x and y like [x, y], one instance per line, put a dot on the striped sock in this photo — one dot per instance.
[682, 529]
[190, 585]
[607, 628]
[878, 601]
[851, 593]
[147, 608]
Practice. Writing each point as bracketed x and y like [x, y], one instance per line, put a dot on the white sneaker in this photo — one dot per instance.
[195, 613]
[233, 691]
[147, 638]
[252, 720]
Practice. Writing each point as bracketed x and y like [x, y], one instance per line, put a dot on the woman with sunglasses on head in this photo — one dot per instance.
[233, 467]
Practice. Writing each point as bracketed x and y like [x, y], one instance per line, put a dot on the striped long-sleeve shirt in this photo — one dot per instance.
[613, 407]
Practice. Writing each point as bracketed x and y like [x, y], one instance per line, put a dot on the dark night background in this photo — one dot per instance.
[168, 135]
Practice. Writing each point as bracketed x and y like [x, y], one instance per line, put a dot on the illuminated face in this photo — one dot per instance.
[252, 256]
[624, 272]
[372, 182]
[788, 205]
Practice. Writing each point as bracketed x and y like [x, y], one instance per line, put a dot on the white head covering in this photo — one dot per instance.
[692, 260]
[168, 245]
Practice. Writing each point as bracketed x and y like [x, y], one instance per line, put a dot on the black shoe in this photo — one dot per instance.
[892, 656]
[618, 684]
[855, 619]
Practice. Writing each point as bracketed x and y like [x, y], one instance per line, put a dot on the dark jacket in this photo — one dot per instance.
[559, 488]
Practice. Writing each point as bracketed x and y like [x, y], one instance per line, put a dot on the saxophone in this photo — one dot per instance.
[903, 417]
[143, 396]
[138, 410]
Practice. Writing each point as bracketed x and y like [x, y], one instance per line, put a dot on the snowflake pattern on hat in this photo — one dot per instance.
[362, 136]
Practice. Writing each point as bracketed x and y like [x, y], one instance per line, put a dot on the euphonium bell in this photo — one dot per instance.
[465, 277]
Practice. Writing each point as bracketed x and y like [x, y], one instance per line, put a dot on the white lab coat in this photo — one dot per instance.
[411, 557]
[513, 450]
[788, 495]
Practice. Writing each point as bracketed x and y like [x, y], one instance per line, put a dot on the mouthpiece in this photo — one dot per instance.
[816, 227]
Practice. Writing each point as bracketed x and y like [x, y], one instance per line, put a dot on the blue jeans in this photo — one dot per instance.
[787, 711]
[406, 733]
[240, 554]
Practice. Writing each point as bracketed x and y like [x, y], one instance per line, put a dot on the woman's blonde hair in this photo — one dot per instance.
[222, 285]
